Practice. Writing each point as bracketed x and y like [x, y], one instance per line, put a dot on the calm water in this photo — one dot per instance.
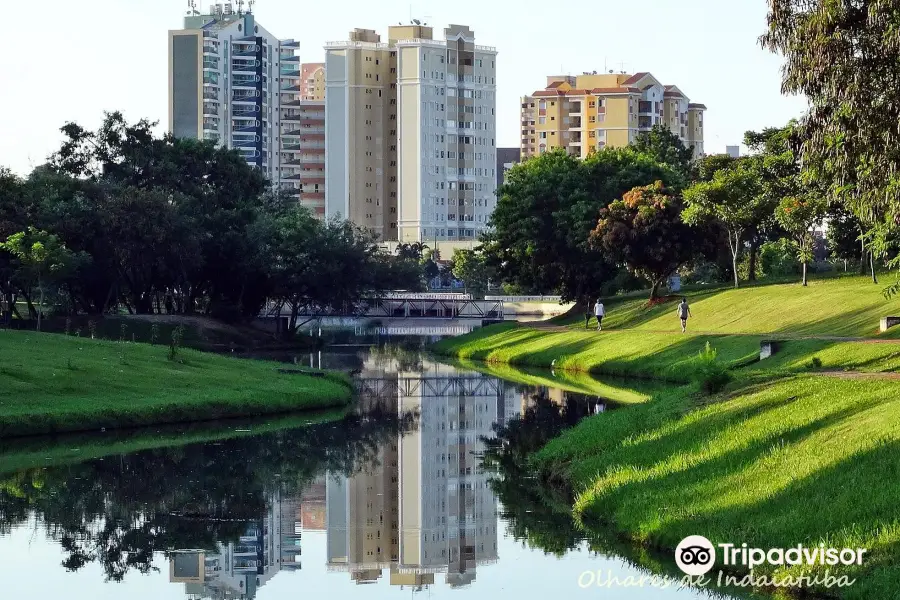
[407, 498]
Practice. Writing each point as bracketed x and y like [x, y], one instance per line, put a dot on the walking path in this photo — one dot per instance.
[768, 336]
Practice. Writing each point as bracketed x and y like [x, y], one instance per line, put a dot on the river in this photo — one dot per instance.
[412, 495]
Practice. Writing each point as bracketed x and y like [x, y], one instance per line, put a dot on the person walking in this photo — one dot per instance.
[684, 311]
[599, 312]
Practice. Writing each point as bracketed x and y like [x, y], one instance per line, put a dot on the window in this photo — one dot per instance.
[542, 121]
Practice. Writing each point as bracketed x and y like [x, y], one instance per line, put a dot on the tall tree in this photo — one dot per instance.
[645, 232]
[799, 215]
[734, 201]
[661, 144]
[844, 58]
[540, 229]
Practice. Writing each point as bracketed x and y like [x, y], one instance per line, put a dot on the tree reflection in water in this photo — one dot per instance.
[120, 510]
[538, 511]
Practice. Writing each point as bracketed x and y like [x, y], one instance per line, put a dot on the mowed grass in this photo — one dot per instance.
[808, 459]
[846, 306]
[664, 356]
[52, 383]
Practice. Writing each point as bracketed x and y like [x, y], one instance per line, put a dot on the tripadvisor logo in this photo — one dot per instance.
[696, 555]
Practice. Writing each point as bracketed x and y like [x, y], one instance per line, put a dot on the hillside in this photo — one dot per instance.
[837, 306]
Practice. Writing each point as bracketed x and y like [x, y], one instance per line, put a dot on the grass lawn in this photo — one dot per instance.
[847, 306]
[52, 383]
[804, 460]
[784, 456]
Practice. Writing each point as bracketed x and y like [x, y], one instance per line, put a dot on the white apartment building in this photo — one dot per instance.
[411, 133]
[233, 82]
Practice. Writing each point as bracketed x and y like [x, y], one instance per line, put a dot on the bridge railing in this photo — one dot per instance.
[557, 299]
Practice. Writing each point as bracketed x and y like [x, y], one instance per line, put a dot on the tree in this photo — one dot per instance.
[470, 267]
[666, 148]
[414, 250]
[843, 57]
[42, 258]
[845, 236]
[644, 231]
[733, 199]
[539, 236]
[11, 221]
[798, 215]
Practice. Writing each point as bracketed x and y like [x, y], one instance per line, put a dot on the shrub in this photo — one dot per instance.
[711, 373]
[814, 363]
[779, 258]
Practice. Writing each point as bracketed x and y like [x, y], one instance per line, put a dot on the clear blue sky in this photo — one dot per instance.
[69, 60]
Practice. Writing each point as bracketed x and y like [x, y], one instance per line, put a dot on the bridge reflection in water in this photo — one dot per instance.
[423, 509]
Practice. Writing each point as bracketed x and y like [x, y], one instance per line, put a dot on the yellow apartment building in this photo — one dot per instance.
[593, 111]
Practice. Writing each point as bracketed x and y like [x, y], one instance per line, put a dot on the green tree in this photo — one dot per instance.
[845, 236]
[42, 257]
[733, 199]
[843, 57]
[645, 232]
[539, 236]
[414, 250]
[661, 144]
[798, 215]
[470, 267]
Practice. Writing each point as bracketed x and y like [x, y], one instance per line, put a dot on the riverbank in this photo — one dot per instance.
[53, 383]
[799, 448]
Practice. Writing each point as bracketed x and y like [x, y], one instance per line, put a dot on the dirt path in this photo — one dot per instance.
[860, 375]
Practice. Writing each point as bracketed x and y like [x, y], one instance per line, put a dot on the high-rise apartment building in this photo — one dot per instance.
[233, 82]
[312, 81]
[593, 111]
[411, 133]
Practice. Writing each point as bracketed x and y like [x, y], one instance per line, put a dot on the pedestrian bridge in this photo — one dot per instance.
[419, 306]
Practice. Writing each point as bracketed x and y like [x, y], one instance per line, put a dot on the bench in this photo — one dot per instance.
[888, 322]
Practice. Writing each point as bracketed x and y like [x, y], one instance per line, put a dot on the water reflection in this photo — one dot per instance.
[395, 494]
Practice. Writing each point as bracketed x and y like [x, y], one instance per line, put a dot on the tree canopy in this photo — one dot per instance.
[540, 229]
[644, 231]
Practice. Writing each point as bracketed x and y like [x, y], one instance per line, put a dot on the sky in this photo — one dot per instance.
[70, 61]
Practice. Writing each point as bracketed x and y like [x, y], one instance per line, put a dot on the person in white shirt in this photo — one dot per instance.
[599, 312]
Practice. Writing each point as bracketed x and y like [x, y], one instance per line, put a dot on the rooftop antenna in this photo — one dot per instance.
[240, 5]
[192, 5]
[250, 4]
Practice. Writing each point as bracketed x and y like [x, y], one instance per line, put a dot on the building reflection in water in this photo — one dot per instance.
[424, 508]
[238, 569]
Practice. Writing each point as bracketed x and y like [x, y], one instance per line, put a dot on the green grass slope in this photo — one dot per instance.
[51, 383]
[808, 460]
[837, 306]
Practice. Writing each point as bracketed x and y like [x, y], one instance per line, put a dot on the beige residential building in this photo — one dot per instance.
[411, 133]
[593, 111]
[312, 81]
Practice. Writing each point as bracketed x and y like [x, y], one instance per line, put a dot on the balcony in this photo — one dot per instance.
[245, 99]
[210, 65]
[243, 67]
[645, 107]
[209, 95]
[210, 49]
[211, 79]
[290, 74]
[645, 122]
[210, 108]
[290, 59]
[575, 108]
